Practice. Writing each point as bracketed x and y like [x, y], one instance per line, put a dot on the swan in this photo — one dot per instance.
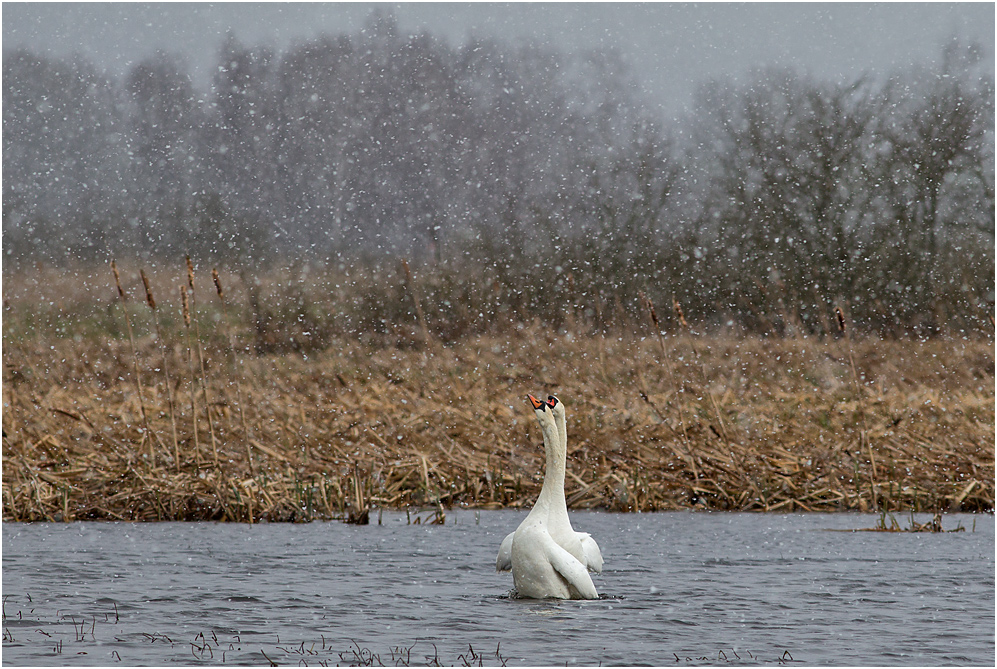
[540, 566]
[580, 544]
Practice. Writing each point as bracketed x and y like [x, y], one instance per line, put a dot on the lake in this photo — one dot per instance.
[678, 588]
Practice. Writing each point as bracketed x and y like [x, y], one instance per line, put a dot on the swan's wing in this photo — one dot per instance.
[504, 560]
[571, 570]
[590, 549]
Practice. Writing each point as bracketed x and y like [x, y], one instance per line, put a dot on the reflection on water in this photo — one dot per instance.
[692, 588]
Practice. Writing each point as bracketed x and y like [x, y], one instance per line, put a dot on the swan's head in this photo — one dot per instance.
[556, 406]
[538, 405]
[544, 412]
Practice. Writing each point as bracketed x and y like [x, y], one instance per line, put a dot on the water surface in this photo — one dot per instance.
[686, 588]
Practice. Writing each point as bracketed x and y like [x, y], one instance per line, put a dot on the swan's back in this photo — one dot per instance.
[542, 569]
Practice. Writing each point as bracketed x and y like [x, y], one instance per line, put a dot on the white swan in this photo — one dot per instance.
[540, 566]
[580, 544]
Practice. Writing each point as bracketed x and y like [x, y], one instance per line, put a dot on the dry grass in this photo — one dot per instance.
[673, 422]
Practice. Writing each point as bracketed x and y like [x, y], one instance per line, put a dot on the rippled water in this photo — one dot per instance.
[687, 588]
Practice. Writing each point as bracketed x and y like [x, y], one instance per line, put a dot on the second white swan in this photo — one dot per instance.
[579, 544]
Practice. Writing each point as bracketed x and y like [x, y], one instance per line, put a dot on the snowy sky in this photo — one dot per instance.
[672, 47]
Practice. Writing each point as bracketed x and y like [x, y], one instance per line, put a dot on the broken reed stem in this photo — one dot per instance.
[235, 370]
[150, 300]
[418, 306]
[654, 321]
[360, 513]
[190, 366]
[131, 341]
[666, 361]
[200, 358]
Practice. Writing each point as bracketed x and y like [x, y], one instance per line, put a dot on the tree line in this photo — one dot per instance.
[779, 198]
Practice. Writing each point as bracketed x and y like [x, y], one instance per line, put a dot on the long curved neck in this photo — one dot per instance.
[562, 454]
[562, 434]
[553, 487]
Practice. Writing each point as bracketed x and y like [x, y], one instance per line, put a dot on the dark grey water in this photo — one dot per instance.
[686, 588]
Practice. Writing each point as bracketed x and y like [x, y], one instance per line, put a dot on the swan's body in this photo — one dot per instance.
[581, 545]
[540, 566]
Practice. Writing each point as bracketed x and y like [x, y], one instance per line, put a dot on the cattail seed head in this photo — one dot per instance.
[678, 312]
[117, 281]
[148, 291]
[218, 283]
[190, 274]
[186, 309]
[649, 305]
[841, 318]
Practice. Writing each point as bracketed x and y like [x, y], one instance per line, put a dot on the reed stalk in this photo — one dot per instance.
[413, 291]
[147, 434]
[864, 439]
[151, 301]
[236, 369]
[846, 333]
[669, 371]
[185, 306]
[359, 513]
[200, 359]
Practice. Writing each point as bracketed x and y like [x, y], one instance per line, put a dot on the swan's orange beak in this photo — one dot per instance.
[538, 405]
[552, 401]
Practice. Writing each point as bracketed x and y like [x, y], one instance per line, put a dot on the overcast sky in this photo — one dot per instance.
[672, 47]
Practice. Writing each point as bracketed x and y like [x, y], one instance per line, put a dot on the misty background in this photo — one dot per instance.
[761, 164]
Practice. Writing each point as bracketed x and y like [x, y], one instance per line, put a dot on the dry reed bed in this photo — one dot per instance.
[655, 423]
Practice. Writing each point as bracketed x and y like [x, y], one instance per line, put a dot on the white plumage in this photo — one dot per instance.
[546, 556]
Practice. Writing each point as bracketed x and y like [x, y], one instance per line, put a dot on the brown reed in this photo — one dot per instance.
[131, 341]
[200, 359]
[669, 370]
[151, 301]
[185, 307]
[437, 431]
[359, 510]
[235, 371]
[625, 457]
[679, 313]
[845, 332]
[218, 283]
